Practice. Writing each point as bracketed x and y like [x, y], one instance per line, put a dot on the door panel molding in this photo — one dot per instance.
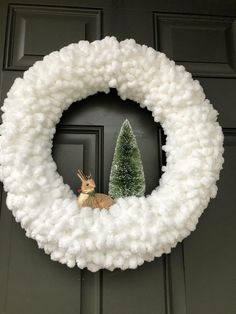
[85, 141]
[27, 41]
[205, 45]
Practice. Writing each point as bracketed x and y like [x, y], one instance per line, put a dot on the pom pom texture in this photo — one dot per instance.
[135, 229]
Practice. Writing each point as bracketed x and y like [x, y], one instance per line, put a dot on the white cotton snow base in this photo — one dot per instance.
[135, 229]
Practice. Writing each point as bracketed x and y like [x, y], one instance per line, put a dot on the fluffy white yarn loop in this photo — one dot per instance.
[135, 229]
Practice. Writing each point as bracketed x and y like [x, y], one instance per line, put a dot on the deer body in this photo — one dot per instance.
[88, 197]
[82, 198]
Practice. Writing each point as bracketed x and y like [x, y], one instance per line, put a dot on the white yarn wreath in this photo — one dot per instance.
[135, 229]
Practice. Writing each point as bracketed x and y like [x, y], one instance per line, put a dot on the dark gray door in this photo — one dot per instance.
[199, 275]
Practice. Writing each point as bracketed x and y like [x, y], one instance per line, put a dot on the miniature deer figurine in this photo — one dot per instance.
[88, 197]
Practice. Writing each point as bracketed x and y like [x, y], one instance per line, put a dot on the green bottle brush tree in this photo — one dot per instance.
[127, 175]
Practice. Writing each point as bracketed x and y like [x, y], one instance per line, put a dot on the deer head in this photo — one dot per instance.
[88, 184]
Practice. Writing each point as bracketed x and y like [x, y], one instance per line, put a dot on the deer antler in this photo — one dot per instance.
[81, 175]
